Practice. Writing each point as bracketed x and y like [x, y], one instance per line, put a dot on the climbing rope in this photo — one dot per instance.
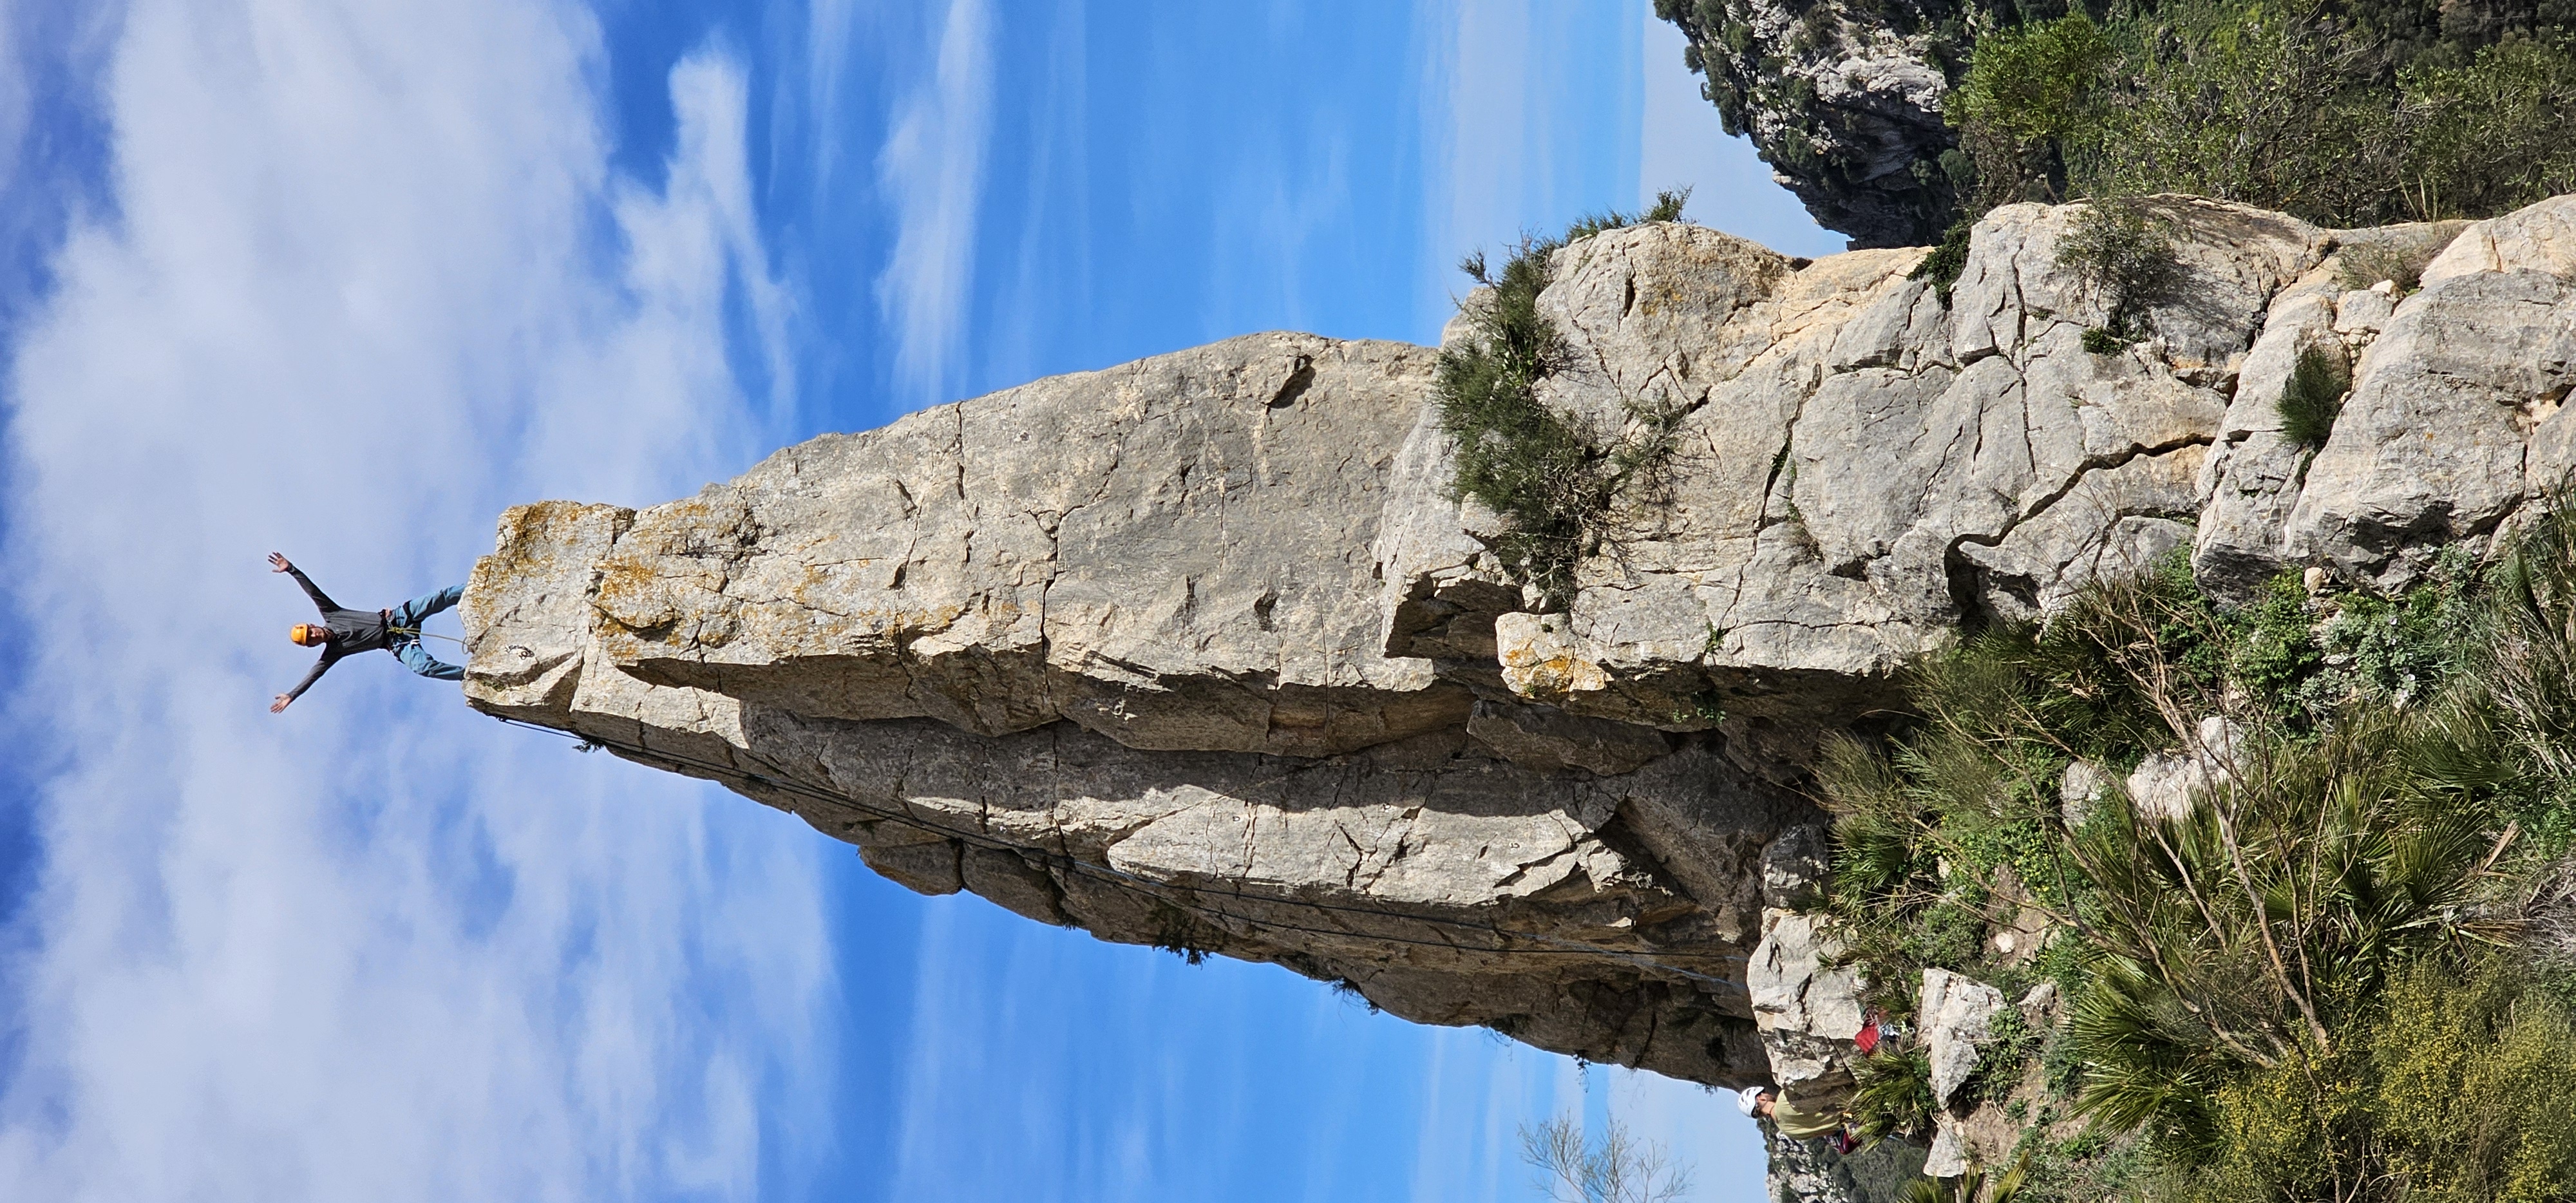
[1160, 892]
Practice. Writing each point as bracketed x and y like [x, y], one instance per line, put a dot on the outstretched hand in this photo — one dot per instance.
[279, 704]
[277, 562]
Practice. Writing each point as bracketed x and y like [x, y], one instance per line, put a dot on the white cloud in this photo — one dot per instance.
[1529, 119]
[932, 172]
[831, 28]
[371, 279]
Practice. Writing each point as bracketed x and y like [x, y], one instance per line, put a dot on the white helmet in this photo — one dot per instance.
[1748, 1098]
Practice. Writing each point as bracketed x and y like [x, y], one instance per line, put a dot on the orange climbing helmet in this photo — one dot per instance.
[306, 634]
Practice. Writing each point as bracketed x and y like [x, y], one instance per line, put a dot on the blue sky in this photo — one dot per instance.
[346, 279]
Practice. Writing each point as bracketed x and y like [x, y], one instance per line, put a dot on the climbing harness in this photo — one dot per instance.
[417, 633]
[1160, 892]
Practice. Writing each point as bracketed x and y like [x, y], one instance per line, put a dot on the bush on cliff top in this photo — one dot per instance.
[2313, 396]
[2346, 114]
[1549, 477]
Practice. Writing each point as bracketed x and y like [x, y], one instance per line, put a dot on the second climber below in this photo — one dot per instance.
[346, 632]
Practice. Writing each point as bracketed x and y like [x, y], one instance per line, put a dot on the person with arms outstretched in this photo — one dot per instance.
[346, 632]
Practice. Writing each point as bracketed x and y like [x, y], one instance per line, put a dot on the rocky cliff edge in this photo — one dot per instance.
[1203, 651]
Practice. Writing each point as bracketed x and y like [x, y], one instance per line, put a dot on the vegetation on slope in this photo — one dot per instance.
[2347, 113]
[2358, 113]
[2343, 973]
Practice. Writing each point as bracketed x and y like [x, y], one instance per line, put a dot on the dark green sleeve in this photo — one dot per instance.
[330, 656]
[321, 601]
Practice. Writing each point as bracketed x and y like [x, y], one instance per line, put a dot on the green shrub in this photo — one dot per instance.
[2472, 1097]
[2099, 340]
[1667, 207]
[2297, 1130]
[1893, 1093]
[2313, 396]
[2343, 112]
[2010, 1046]
[2520, 659]
[1943, 266]
[1950, 936]
[2292, 992]
[2090, 1168]
[2123, 253]
[2492, 135]
[2381, 652]
[2025, 91]
[2451, 1090]
[2247, 101]
[2272, 648]
[1537, 467]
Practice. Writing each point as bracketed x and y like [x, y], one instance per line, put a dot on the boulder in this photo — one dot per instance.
[2082, 785]
[1954, 1013]
[1949, 1156]
[2166, 785]
[1806, 1007]
[2536, 238]
[2430, 448]
[1794, 867]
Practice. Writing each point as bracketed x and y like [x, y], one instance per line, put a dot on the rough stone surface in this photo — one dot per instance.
[1807, 1008]
[2083, 785]
[2166, 785]
[2430, 447]
[1805, 1171]
[1140, 690]
[2540, 238]
[1857, 468]
[1949, 1157]
[1955, 1013]
[1794, 867]
[1203, 652]
[1809, 1171]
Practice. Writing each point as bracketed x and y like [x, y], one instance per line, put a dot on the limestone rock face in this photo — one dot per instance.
[1955, 1013]
[1106, 650]
[1858, 467]
[1806, 1006]
[2431, 446]
[1204, 652]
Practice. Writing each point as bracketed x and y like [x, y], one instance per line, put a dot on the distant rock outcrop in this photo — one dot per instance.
[1843, 101]
[1204, 652]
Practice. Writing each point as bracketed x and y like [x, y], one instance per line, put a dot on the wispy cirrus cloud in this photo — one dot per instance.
[1528, 108]
[931, 172]
[367, 279]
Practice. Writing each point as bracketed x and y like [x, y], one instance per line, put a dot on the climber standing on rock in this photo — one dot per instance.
[1798, 1122]
[344, 632]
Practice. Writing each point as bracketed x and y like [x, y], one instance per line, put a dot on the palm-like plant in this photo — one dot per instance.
[1892, 1095]
[1975, 1186]
[2329, 846]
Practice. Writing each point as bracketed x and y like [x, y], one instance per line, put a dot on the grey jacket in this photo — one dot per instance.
[352, 631]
